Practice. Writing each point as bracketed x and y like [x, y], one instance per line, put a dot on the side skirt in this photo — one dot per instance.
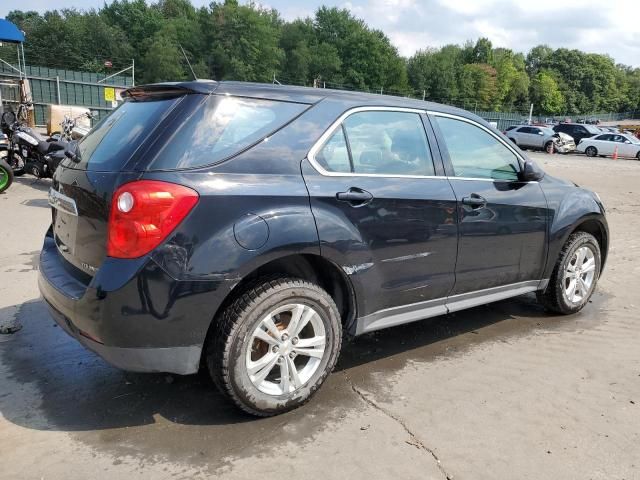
[391, 317]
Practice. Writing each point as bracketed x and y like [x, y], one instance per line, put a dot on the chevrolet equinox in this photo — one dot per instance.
[248, 228]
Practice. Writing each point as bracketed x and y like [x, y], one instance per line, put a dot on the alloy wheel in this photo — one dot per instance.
[579, 274]
[285, 349]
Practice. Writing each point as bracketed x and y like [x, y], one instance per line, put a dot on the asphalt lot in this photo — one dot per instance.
[498, 392]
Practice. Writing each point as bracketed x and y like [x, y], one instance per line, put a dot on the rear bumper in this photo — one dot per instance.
[179, 360]
[131, 313]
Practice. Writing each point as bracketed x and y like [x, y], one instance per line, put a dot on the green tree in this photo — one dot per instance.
[243, 42]
[163, 60]
[546, 95]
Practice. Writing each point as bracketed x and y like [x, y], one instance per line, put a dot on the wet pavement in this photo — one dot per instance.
[499, 391]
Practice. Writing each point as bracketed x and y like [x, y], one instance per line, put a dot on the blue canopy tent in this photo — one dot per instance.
[10, 33]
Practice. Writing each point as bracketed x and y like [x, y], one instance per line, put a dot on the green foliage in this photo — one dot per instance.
[546, 94]
[229, 40]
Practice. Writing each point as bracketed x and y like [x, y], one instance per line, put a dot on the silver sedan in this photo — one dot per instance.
[543, 138]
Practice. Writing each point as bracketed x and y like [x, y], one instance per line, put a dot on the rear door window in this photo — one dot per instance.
[221, 127]
[334, 155]
[378, 143]
[388, 143]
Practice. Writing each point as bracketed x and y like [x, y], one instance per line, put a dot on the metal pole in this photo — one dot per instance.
[11, 66]
[530, 113]
[58, 88]
[424, 95]
[114, 74]
[24, 64]
[19, 61]
[133, 72]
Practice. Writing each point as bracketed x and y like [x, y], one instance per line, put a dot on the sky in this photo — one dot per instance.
[602, 26]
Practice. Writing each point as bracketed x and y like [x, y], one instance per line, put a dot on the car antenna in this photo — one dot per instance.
[188, 63]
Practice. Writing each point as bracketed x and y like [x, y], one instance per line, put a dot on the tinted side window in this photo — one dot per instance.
[603, 137]
[388, 143]
[475, 153]
[221, 127]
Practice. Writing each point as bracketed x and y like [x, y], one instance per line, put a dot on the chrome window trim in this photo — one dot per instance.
[337, 123]
[334, 126]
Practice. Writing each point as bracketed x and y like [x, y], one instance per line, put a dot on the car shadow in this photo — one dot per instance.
[77, 391]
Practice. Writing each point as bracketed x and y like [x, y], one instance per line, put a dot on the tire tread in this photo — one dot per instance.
[228, 322]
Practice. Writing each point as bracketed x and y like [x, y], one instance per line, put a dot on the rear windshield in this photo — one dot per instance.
[110, 144]
[222, 127]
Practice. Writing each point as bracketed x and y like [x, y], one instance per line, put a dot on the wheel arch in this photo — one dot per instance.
[311, 267]
[596, 227]
[593, 223]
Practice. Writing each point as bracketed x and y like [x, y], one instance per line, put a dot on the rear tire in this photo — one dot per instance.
[638, 156]
[6, 175]
[591, 151]
[253, 367]
[579, 259]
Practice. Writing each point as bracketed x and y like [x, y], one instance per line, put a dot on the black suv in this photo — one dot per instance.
[577, 130]
[249, 228]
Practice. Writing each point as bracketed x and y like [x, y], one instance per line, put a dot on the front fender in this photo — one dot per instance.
[572, 209]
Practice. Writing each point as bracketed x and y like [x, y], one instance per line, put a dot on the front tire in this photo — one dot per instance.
[591, 151]
[575, 275]
[274, 345]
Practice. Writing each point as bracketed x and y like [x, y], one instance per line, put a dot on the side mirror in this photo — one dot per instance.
[540, 133]
[627, 141]
[531, 172]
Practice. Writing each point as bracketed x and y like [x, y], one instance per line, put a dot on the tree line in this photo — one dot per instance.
[335, 49]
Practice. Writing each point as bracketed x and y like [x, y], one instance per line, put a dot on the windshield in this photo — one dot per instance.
[592, 129]
[632, 139]
[110, 144]
[547, 130]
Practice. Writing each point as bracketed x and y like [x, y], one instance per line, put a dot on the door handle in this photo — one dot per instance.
[355, 196]
[474, 201]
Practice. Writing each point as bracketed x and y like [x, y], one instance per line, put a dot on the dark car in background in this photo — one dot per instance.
[577, 131]
[248, 228]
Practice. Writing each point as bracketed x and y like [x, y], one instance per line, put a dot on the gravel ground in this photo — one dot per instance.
[498, 392]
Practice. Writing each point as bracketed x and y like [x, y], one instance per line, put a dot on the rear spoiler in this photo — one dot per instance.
[167, 90]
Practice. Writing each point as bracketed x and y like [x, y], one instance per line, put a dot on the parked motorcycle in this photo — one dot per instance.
[28, 151]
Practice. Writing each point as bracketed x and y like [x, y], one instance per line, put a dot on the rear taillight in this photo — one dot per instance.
[144, 213]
